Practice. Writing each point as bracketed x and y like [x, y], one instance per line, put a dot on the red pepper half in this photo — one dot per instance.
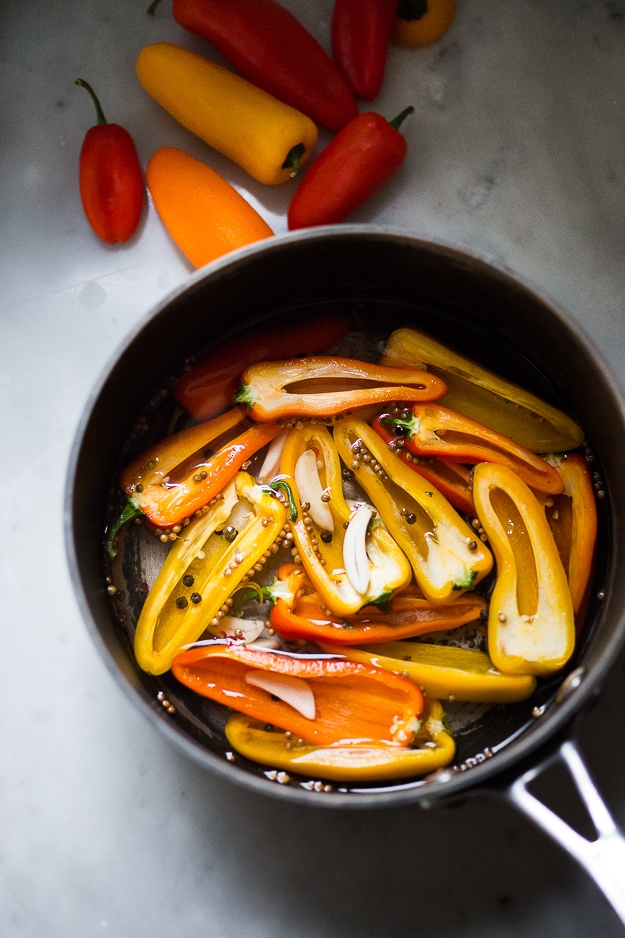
[361, 31]
[209, 386]
[354, 165]
[110, 177]
[272, 49]
[299, 612]
[352, 701]
[432, 430]
[453, 480]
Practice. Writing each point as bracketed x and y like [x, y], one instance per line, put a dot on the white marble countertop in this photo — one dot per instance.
[516, 149]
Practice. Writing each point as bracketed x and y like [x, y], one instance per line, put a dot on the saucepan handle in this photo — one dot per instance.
[604, 857]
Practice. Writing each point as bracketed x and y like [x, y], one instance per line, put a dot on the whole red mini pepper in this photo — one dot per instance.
[361, 31]
[209, 386]
[354, 165]
[272, 49]
[111, 179]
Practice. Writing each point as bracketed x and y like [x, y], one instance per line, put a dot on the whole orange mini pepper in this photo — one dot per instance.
[322, 386]
[203, 213]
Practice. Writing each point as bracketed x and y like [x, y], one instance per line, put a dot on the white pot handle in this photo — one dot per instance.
[604, 857]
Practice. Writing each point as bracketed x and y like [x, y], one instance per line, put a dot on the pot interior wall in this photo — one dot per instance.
[384, 281]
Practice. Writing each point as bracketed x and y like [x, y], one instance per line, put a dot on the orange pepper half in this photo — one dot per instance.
[322, 386]
[300, 612]
[433, 430]
[352, 701]
[179, 475]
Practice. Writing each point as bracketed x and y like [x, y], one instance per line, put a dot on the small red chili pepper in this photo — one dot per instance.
[361, 31]
[299, 612]
[209, 386]
[450, 478]
[272, 49]
[432, 430]
[111, 180]
[354, 165]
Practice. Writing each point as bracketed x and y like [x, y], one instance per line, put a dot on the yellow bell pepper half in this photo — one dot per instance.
[212, 554]
[484, 396]
[432, 748]
[349, 567]
[446, 556]
[531, 625]
[444, 671]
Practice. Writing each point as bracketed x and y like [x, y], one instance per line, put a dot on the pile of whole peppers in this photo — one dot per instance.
[390, 501]
[263, 117]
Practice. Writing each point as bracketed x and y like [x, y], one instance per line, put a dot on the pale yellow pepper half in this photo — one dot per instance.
[444, 671]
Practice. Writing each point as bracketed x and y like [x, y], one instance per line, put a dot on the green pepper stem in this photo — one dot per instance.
[411, 426]
[281, 484]
[98, 107]
[293, 159]
[398, 121]
[128, 512]
[152, 7]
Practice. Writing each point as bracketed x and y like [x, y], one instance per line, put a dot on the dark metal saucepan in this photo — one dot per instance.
[384, 279]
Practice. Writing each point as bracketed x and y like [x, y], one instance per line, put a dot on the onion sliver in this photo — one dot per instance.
[355, 549]
[310, 489]
[271, 464]
[247, 629]
[292, 690]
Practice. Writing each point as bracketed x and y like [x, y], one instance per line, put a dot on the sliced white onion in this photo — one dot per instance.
[246, 629]
[271, 464]
[292, 690]
[355, 549]
[310, 489]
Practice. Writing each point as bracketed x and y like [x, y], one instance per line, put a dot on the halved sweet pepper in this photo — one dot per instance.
[298, 611]
[444, 671]
[348, 700]
[485, 396]
[203, 567]
[572, 517]
[452, 479]
[351, 559]
[432, 748]
[322, 386]
[180, 474]
[531, 627]
[433, 430]
[445, 554]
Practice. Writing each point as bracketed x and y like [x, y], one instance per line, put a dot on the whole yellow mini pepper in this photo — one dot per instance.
[267, 138]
